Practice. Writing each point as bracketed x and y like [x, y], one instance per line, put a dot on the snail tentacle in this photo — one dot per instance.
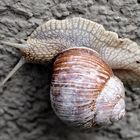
[15, 45]
[21, 62]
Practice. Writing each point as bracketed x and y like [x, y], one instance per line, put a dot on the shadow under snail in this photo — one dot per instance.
[84, 91]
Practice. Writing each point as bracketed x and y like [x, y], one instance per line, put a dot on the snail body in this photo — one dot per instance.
[54, 36]
[84, 90]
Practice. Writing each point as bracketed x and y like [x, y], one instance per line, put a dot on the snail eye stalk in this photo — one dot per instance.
[18, 65]
[15, 45]
[13, 71]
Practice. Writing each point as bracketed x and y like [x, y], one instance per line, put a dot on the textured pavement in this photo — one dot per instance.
[25, 110]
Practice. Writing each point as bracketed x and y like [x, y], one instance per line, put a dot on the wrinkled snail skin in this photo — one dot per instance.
[54, 36]
[84, 91]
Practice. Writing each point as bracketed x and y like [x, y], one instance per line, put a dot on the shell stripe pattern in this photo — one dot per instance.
[78, 78]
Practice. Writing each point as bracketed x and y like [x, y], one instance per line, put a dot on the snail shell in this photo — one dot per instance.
[84, 91]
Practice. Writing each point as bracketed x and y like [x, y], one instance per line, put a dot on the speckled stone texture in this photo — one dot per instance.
[25, 110]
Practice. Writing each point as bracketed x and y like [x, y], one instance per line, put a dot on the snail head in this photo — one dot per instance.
[33, 53]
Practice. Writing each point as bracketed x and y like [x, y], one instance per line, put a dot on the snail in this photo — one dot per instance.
[84, 91]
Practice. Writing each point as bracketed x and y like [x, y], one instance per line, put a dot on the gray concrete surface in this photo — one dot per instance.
[25, 112]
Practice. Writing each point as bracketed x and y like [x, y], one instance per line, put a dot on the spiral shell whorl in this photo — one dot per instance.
[79, 76]
[110, 104]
